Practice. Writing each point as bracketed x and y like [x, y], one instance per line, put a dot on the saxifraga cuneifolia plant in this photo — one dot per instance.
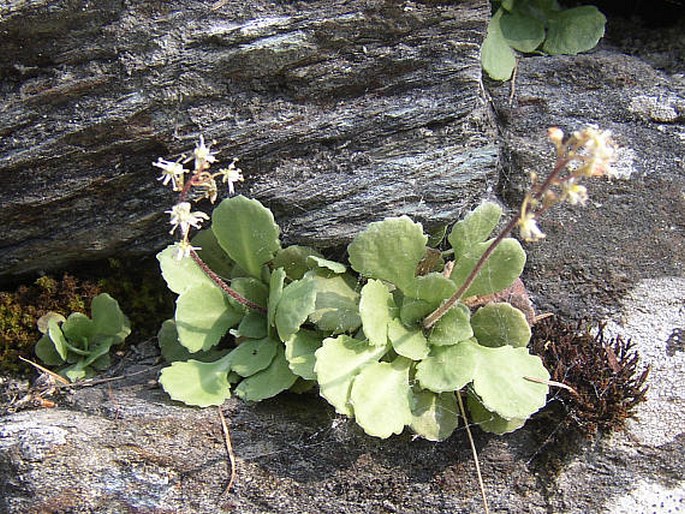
[399, 352]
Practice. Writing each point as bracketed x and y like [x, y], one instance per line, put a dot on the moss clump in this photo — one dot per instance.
[20, 309]
[604, 372]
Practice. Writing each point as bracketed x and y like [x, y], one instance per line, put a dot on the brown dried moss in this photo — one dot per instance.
[604, 373]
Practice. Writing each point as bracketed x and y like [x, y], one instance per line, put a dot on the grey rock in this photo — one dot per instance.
[340, 111]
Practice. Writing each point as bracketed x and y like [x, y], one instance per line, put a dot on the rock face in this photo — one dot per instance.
[123, 446]
[340, 111]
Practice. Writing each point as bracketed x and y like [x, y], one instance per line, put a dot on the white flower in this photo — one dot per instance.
[529, 228]
[182, 217]
[183, 249]
[575, 193]
[231, 175]
[600, 152]
[171, 172]
[203, 155]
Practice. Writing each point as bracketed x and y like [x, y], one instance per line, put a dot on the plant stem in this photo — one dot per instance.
[475, 454]
[224, 286]
[438, 313]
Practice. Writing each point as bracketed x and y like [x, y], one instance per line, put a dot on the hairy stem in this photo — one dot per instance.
[438, 313]
[224, 286]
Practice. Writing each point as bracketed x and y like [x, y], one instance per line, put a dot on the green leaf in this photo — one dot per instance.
[475, 228]
[574, 30]
[413, 311]
[275, 291]
[434, 416]
[253, 326]
[297, 302]
[523, 33]
[498, 374]
[314, 261]
[250, 288]
[380, 397]
[453, 327]
[268, 382]
[246, 230]
[489, 421]
[212, 254]
[447, 368]
[389, 250]
[45, 350]
[203, 316]
[433, 288]
[409, 343]
[77, 371]
[58, 339]
[496, 55]
[180, 274]
[337, 303]
[197, 383]
[172, 350]
[376, 309]
[108, 318]
[300, 350]
[338, 361]
[102, 362]
[498, 324]
[293, 260]
[253, 355]
[79, 329]
[503, 267]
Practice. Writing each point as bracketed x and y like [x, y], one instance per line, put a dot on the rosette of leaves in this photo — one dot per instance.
[359, 337]
[537, 26]
[81, 344]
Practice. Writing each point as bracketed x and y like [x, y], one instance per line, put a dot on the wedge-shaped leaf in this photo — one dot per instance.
[77, 371]
[268, 382]
[246, 230]
[413, 311]
[434, 416]
[498, 324]
[45, 350]
[276, 283]
[79, 329]
[447, 368]
[389, 250]
[377, 309]
[489, 421]
[338, 361]
[380, 397]
[496, 55]
[572, 31]
[180, 274]
[475, 228]
[523, 33]
[197, 383]
[108, 318]
[253, 355]
[250, 288]
[499, 272]
[300, 350]
[212, 254]
[203, 316]
[102, 363]
[58, 340]
[297, 302]
[407, 342]
[314, 261]
[253, 326]
[293, 260]
[501, 376]
[453, 327]
[172, 350]
[433, 288]
[337, 303]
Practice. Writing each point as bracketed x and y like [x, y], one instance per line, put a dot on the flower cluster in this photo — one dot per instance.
[586, 153]
[200, 182]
